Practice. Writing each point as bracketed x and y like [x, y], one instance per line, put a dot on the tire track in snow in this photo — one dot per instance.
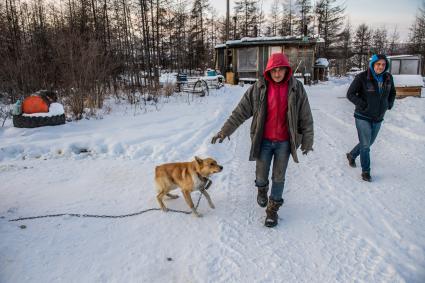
[228, 266]
[242, 222]
[360, 260]
[405, 133]
[361, 257]
[369, 205]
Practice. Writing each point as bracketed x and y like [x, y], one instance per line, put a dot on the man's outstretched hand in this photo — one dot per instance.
[220, 137]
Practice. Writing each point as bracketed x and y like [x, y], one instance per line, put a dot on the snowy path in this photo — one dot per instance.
[333, 226]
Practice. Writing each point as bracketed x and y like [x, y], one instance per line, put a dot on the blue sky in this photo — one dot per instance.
[376, 13]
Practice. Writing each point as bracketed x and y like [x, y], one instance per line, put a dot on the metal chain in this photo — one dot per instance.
[207, 185]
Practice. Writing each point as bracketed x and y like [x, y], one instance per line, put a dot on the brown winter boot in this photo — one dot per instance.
[351, 160]
[262, 196]
[366, 176]
[271, 211]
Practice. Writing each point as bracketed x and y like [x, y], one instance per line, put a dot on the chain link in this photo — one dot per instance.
[207, 185]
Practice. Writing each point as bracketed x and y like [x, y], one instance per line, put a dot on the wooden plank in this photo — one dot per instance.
[193, 90]
[402, 92]
[408, 89]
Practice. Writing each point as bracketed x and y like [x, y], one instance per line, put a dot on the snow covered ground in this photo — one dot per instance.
[333, 227]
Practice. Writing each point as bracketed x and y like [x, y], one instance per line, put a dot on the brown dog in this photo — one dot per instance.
[188, 176]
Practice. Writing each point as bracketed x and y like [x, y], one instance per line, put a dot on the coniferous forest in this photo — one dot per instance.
[89, 49]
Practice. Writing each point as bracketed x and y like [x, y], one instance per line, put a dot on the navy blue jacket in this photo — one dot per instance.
[370, 104]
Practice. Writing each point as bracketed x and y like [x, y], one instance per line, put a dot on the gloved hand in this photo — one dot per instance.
[220, 137]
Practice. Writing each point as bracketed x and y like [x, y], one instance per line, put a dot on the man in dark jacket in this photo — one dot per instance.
[281, 122]
[373, 93]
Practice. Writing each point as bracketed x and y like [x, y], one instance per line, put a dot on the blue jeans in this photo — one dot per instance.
[280, 152]
[367, 132]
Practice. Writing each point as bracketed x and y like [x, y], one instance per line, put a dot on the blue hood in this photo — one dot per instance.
[375, 58]
[379, 78]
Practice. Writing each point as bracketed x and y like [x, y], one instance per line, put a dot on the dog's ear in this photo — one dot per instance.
[198, 160]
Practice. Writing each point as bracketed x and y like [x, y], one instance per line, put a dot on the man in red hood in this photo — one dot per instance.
[281, 122]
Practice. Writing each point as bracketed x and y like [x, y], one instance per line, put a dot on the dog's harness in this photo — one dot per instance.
[205, 181]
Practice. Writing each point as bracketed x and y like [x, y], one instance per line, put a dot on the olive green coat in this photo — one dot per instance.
[254, 104]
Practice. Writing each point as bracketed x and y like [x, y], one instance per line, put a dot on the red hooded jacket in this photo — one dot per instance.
[276, 127]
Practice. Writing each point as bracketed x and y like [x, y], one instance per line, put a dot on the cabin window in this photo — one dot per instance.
[409, 67]
[247, 59]
[395, 67]
[275, 49]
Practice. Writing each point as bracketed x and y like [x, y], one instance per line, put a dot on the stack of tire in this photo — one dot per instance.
[38, 104]
[20, 121]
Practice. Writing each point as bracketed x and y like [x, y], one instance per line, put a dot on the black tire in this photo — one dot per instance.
[201, 84]
[20, 121]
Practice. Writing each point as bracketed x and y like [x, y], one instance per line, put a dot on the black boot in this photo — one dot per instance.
[351, 160]
[262, 196]
[271, 211]
[366, 176]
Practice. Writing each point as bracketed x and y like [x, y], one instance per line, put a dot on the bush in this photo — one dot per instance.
[5, 113]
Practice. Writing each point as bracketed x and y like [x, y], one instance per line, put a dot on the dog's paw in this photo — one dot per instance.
[212, 205]
[164, 209]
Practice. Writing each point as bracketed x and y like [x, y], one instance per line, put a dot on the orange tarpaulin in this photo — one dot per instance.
[34, 104]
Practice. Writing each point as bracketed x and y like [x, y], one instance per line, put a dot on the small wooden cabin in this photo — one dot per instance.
[405, 64]
[244, 60]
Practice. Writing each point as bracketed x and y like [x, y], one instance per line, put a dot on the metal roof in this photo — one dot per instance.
[248, 41]
[404, 57]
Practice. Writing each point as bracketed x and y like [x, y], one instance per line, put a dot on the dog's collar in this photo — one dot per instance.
[206, 182]
[202, 178]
